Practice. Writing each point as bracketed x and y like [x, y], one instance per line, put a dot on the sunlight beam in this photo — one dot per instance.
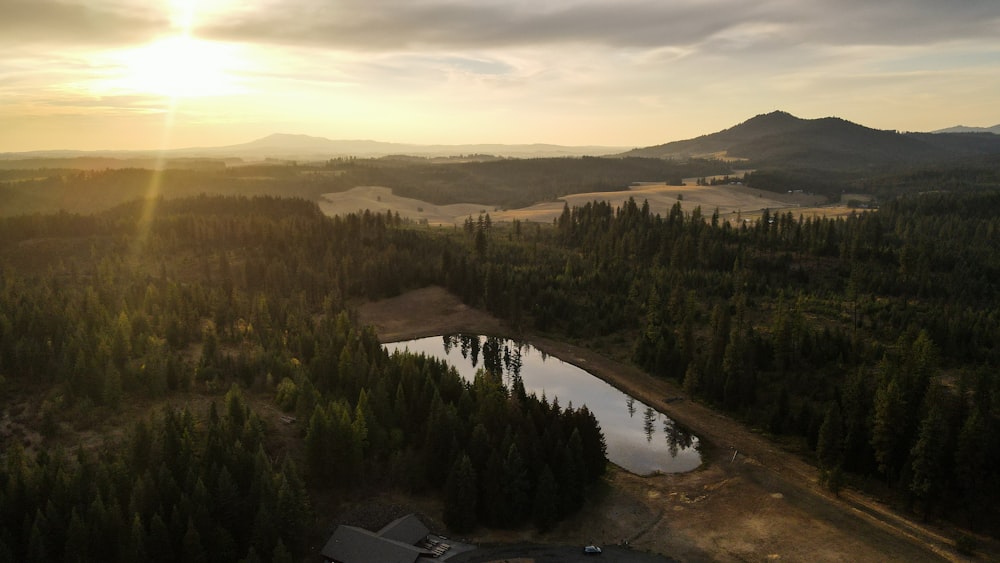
[152, 196]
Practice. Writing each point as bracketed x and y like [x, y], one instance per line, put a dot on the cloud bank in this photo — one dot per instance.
[576, 71]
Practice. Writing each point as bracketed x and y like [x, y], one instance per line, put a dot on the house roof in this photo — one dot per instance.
[407, 529]
[356, 545]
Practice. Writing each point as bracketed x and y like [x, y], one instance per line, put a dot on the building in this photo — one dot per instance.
[404, 540]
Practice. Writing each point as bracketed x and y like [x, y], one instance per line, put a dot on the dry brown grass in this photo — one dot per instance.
[379, 199]
[735, 203]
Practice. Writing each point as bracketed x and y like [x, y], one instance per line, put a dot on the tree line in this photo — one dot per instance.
[179, 487]
[869, 338]
[505, 183]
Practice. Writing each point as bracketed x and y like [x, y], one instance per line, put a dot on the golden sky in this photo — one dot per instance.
[145, 74]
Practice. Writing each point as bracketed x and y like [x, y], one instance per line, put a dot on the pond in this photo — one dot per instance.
[639, 438]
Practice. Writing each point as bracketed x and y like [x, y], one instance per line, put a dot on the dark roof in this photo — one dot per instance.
[407, 529]
[356, 545]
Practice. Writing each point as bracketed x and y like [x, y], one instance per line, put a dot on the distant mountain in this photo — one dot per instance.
[305, 147]
[963, 129]
[285, 145]
[779, 139]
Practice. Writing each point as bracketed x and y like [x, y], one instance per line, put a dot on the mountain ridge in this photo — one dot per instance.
[780, 139]
[966, 129]
[777, 138]
[296, 146]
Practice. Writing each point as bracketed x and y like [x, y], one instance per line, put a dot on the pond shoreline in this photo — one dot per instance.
[765, 501]
[640, 438]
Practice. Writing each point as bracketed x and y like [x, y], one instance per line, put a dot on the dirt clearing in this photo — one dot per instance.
[763, 505]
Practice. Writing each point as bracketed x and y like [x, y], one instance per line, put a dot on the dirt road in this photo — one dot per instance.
[750, 501]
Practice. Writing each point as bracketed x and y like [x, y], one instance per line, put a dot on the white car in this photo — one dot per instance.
[592, 550]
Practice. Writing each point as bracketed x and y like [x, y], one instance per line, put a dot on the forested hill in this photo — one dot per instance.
[781, 140]
[960, 175]
[995, 130]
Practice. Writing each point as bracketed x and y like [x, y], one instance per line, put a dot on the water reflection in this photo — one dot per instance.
[677, 437]
[647, 423]
[632, 443]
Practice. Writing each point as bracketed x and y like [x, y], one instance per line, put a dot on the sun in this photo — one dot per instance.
[178, 67]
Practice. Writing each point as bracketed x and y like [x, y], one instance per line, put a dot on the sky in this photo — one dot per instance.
[148, 74]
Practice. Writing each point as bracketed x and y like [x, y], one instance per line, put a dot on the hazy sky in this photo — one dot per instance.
[144, 73]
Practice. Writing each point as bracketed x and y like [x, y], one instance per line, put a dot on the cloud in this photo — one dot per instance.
[92, 23]
[353, 25]
[484, 24]
[902, 22]
[643, 71]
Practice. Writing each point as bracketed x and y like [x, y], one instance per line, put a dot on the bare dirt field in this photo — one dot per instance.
[736, 203]
[750, 501]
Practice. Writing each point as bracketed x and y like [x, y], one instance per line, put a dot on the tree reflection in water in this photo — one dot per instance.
[648, 416]
[677, 437]
[522, 369]
[500, 357]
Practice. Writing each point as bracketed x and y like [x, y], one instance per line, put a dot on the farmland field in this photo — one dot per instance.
[735, 203]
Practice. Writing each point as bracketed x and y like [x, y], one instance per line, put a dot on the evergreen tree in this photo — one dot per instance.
[546, 505]
[77, 548]
[516, 488]
[160, 546]
[136, 549]
[973, 463]
[460, 496]
[39, 541]
[192, 548]
[930, 453]
[829, 447]
[572, 475]
[281, 553]
[252, 556]
[857, 407]
[888, 430]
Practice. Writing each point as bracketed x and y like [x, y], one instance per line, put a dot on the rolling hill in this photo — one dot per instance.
[963, 129]
[292, 147]
[779, 139]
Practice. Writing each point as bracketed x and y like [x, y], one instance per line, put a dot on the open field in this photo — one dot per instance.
[379, 200]
[759, 504]
[735, 203]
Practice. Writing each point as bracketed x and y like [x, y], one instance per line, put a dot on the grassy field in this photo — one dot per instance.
[735, 203]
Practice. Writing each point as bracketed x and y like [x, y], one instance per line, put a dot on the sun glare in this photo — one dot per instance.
[178, 67]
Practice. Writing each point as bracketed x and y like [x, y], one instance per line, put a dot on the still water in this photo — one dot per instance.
[639, 438]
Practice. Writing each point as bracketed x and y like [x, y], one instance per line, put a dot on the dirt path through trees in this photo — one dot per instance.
[762, 503]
